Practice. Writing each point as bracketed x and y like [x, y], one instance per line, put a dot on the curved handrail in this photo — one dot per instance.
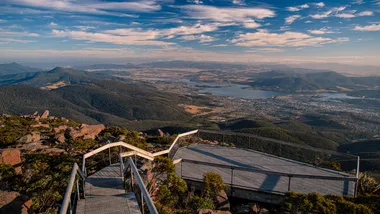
[139, 152]
[144, 192]
[66, 199]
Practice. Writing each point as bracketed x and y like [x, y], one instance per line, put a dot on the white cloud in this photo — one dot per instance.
[373, 27]
[345, 15]
[238, 2]
[53, 24]
[18, 34]
[320, 31]
[333, 11]
[365, 13]
[12, 40]
[169, 32]
[287, 39]
[291, 19]
[220, 45]
[139, 36]
[202, 38]
[134, 38]
[240, 15]
[357, 2]
[298, 8]
[251, 24]
[90, 7]
[266, 50]
[320, 4]
[195, 1]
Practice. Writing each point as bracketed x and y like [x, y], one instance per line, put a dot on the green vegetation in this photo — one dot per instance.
[12, 128]
[173, 195]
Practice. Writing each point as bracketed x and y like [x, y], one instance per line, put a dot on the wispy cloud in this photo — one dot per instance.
[195, 1]
[287, 39]
[334, 11]
[291, 19]
[320, 31]
[319, 4]
[298, 8]
[53, 24]
[357, 2]
[365, 13]
[373, 27]
[238, 2]
[266, 50]
[18, 34]
[92, 7]
[201, 38]
[12, 40]
[224, 14]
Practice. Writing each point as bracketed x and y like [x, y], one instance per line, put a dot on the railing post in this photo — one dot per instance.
[78, 189]
[131, 178]
[181, 168]
[109, 155]
[232, 180]
[142, 203]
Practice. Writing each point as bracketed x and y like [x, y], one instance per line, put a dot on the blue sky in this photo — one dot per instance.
[278, 31]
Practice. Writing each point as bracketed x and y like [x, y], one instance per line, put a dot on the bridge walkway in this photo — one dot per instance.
[105, 194]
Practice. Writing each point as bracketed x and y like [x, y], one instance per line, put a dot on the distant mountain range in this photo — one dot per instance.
[88, 97]
[323, 80]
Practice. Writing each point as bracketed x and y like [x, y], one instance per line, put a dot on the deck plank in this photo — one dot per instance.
[105, 194]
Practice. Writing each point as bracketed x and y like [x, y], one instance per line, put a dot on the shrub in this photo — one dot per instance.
[213, 184]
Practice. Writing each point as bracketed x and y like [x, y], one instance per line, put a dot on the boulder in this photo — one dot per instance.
[45, 115]
[221, 201]
[264, 211]
[86, 131]
[32, 137]
[37, 118]
[160, 133]
[60, 137]
[35, 113]
[14, 202]
[254, 209]
[12, 157]
[60, 128]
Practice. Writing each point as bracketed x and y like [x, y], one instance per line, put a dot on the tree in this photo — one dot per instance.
[367, 185]
[213, 184]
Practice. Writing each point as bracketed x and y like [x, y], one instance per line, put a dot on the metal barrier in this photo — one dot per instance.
[144, 193]
[284, 182]
[67, 204]
[298, 152]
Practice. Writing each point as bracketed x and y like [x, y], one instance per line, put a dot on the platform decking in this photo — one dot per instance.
[258, 181]
[105, 194]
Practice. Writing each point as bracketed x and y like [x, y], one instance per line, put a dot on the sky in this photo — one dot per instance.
[275, 31]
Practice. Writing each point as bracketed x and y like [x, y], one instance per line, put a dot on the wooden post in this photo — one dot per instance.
[131, 179]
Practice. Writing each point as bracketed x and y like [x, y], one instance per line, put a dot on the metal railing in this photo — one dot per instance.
[145, 197]
[287, 181]
[69, 201]
[299, 152]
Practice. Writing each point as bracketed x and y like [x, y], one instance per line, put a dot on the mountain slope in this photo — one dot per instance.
[109, 102]
[14, 68]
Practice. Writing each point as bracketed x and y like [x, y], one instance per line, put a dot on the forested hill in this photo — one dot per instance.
[108, 102]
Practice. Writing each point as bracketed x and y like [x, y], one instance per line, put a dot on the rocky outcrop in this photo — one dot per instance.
[29, 138]
[45, 115]
[85, 131]
[60, 128]
[60, 137]
[40, 126]
[14, 202]
[221, 201]
[12, 157]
